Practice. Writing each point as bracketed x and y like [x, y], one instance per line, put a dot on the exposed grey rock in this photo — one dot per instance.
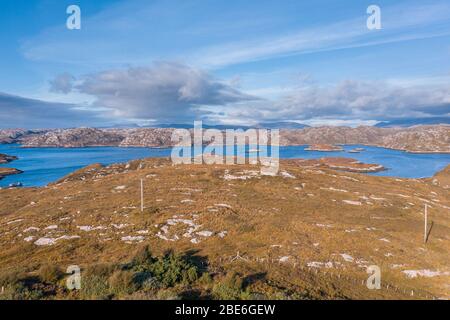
[414, 139]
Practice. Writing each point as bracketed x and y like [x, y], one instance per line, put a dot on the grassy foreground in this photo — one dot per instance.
[225, 232]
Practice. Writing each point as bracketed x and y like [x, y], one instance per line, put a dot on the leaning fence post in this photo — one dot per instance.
[142, 195]
[426, 226]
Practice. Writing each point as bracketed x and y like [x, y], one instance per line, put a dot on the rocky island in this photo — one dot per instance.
[323, 147]
[341, 164]
[4, 158]
[8, 171]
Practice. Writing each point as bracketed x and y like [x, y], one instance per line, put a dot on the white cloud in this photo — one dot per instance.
[348, 101]
[165, 91]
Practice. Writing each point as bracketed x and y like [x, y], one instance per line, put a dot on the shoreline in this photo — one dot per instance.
[415, 139]
[326, 163]
[299, 155]
[4, 171]
[224, 145]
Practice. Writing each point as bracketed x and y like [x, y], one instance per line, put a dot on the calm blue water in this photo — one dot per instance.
[44, 165]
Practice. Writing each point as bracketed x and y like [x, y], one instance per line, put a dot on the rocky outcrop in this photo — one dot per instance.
[11, 135]
[148, 138]
[75, 138]
[420, 139]
[442, 178]
[415, 139]
[336, 135]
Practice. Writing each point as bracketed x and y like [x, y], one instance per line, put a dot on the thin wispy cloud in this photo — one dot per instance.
[400, 23]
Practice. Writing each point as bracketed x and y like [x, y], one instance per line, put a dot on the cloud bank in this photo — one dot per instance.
[20, 112]
[165, 91]
[349, 100]
[169, 92]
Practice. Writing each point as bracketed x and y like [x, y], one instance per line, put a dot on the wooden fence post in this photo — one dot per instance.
[426, 224]
[142, 195]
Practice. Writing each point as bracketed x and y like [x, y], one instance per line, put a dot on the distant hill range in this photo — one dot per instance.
[404, 123]
[263, 125]
[431, 138]
[414, 122]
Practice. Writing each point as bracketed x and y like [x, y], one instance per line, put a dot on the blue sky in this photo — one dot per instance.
[220, 61]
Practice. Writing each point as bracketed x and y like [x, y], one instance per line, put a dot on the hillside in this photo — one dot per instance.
[415, 139]
[307, 233]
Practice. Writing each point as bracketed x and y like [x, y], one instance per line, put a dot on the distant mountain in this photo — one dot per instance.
[190, 126]
[415, 139]
[413, 122]
[120, 126]
[263, 125]
[282, 125]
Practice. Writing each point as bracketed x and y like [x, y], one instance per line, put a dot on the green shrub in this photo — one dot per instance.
[167, 271]
[206, 280]
[230, 288]
[150, 284]
[172, 269]
[142, 259]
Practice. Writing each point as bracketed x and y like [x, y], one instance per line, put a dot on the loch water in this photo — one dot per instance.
[41, 166]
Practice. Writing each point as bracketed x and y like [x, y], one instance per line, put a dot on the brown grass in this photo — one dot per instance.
[279, 226]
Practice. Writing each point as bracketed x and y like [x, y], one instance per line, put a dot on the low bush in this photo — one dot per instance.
[19, 291]
[230, 288]
[50, 274]
[172, 269]
[169, 269]
[206, 280]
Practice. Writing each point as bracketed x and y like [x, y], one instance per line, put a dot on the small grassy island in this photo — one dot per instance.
[323, 147]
